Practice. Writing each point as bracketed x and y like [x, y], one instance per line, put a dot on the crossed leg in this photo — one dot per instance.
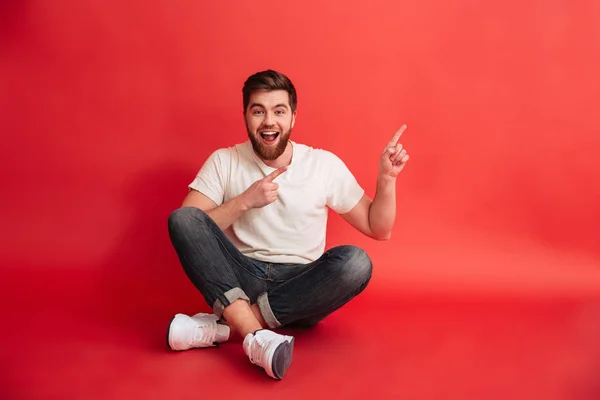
[230, 282]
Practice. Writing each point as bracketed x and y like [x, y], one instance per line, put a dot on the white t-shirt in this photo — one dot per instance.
[293, 228]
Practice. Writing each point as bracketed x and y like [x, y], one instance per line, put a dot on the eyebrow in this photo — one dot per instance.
[262, 106]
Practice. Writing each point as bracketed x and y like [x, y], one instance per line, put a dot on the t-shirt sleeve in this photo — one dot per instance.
[212, 178]
[343, 190]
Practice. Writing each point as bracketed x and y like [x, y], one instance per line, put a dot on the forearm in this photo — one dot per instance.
[227, 213]
[382, 212]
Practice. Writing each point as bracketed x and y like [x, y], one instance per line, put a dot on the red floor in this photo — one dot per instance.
[73, 336]
[108, 108]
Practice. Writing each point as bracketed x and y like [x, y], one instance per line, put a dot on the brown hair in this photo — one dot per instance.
[269, 80]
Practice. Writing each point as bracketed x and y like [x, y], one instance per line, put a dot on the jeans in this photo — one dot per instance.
[286, 294]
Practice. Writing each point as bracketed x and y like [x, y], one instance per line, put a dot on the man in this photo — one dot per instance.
[250, 234]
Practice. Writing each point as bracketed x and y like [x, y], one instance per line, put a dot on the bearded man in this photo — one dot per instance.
[250, 234]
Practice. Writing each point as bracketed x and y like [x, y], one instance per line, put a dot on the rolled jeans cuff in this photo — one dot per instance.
[227, 298]
[267, 313]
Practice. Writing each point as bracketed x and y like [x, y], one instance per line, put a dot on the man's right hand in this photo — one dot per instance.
[263, 191]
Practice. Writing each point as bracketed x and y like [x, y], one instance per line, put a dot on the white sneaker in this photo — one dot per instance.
[201, 330]
[270, 350]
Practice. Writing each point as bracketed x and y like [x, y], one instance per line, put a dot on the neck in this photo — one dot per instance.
[283, 160]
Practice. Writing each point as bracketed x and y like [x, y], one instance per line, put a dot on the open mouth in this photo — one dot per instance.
[269, 137]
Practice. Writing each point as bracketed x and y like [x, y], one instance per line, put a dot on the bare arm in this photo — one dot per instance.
[223, 215]
[375, 218]
[259, 194]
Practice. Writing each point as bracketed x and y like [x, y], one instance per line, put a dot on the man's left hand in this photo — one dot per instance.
[394, 157]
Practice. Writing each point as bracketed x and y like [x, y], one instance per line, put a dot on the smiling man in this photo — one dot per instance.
[251, 232]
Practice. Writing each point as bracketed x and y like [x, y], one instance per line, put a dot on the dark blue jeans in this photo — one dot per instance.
[286, 294]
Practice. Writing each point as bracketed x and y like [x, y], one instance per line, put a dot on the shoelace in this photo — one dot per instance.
[258, 349]
[203, 333]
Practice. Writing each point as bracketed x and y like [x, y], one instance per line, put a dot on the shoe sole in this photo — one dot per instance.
[282, 358]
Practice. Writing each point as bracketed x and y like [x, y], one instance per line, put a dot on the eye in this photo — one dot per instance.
[280, 112]
[258, 112]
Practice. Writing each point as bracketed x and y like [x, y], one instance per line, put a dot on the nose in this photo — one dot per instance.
[268, 118]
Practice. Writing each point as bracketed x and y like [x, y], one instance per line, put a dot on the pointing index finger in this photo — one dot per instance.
[275, 174]
[397, 135]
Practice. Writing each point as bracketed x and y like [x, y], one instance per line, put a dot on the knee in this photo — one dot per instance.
[184, 218]
[360, 264]
[357, 267]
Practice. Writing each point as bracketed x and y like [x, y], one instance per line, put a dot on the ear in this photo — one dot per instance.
[294, 118]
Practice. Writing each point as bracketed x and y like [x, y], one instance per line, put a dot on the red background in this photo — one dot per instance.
[108, 109]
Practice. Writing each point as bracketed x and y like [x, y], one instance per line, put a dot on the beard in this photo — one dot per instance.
[271, 152]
